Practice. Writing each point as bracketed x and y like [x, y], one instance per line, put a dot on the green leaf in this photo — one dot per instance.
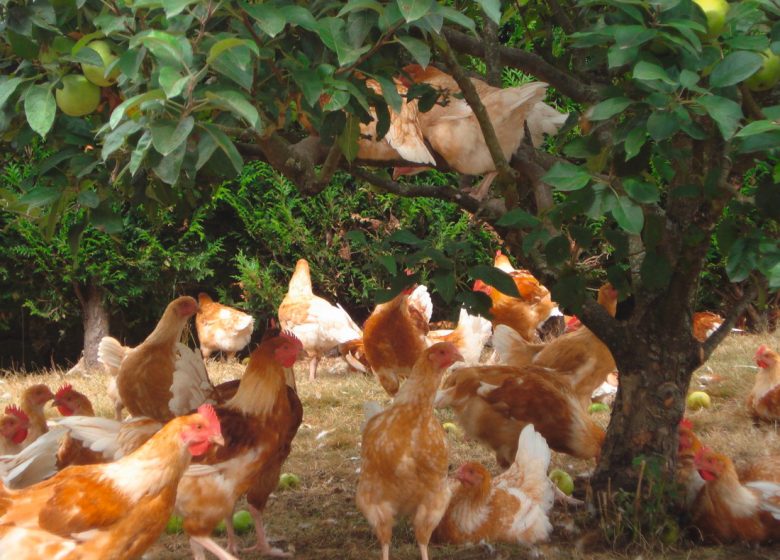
[557, 250]
[238, 103]
[628, 215]
[270, 19]
[517, 218]
[634, 141]
[87, 55]
[758, 127]
[225, 45]
[40, 196]
[405, 237]
[419, 50]
[496, 278]
[106, 219]
[736, 67]
[662, 125]
[300, 16]
[167, 48]
[348, 139]
[566, 177]
[492, 9]
[609, 108]
[641, 191]
[172, 81]
[7, 88]
[390, 93]
[413, 10]
[444, 282]
[235, 63]
[116, 138]
[332, 33]
[226, 145]
[139, 152]
[357, 5]
[648, 71]
[88, 199]
[175, 7]
[656, 272]
[40, 108]
[119, 111]
[455, 17]
[725, 112]
[168, 135]
[569, 292]
[169, 167]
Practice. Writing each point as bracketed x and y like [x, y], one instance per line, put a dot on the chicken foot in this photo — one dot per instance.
[481, 190]
[262, 544]
[313, 368]
[199, 543]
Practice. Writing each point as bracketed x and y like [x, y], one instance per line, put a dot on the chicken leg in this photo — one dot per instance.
[262, 544]
[199, 543]
[313, 367]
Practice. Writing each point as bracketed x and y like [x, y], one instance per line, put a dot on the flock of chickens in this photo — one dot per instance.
[92, 487]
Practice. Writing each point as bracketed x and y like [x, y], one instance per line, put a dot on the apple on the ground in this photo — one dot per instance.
[562, 480]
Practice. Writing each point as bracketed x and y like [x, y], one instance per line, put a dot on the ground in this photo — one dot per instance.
[320, 521]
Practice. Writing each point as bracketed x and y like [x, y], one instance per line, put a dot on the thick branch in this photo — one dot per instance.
[492, 56]
[712, 342]
[527, 62]
[506, 174]
[607, 328]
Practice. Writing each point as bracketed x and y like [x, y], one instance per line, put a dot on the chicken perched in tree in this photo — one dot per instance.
[221, 328]
[70, 402]
[726, 510]
[110, 354]
[115, 510]
[404, 455]
[146, 375]
[394, 336]
[258, 424]
[513, 507]
[580, 357]
[14, 426]
[764, 399]
[494, 403]
[319, 325]
[509, 110]
[34, 399]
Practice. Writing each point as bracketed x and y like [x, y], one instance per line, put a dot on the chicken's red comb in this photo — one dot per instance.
[291, 336]
[686, 424]
[208, 412]
[761, 350]
[62, 391]
[16, 411]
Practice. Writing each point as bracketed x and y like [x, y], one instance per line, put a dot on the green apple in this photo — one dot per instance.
[716, 11]
[78, 96]
[174, 525]
[242, 521]
[220, 528]
[768, 75]
[562, 480]
[451, 428]
[96, 74]
[597, 407]
[698, 399]
[670, 533]
[288, 481]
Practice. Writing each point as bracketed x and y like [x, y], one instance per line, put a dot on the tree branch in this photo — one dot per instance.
[492, 56]
[561, 17]
[712, 342]
[530, 63]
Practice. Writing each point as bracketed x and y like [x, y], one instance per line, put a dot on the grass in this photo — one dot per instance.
[319, 520]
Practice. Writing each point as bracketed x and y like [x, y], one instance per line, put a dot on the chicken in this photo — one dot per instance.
[726, 510]
[115, 510]
[582, 358]
[763, 468]
[146, 373]
[14, 426]
[110, 354]
[394, 336]
[509, 110]
[687, 448]
[404, 455]
[319, 325]
[70, 402]
[34, 399]
[513, 507]
[705, 323]
[764, 399]
[221, 328]
[258, 424]
[469, 336]
[34, 463]
[494, 403]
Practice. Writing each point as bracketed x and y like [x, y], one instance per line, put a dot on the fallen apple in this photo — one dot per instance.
[698, 400]
[78, 96]
[597, 407]
[715, 11]
[174, 525]
[242, 521]
[220, 528]
[451, 428]
[97, 74]
[562, 480]
[288, 481]
[768, 75]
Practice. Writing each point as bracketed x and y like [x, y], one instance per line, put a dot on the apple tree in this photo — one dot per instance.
[673, 154]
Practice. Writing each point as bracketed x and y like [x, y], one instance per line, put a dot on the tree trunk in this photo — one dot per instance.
[95, 321]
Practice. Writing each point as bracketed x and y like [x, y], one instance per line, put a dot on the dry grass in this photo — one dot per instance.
[320, 521]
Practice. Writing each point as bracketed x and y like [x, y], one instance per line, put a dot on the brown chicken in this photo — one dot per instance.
[258, 424]
[469, 336]
[14, 426]
[404, 455]
[513, 507]
[494, 403]
[221, 328]
[393, 338]
[319, 325]
[34, 399]
[764, 399]
[705, 323]
[583, 360]
[687, 448]
[726, 510]
[509, 110]
[110, 354]
[70, 402]
[146, 374]
[105, 511]
[762, 468]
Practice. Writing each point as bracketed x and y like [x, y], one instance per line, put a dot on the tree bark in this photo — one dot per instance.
[95, 320]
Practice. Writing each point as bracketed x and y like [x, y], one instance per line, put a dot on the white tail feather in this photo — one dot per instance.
[475, 331]
[191, 386]
[513, 349]
[420, 299]
[34, 463]
[111, 353]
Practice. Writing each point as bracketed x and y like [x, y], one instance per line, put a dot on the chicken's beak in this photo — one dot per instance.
[217, 440]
